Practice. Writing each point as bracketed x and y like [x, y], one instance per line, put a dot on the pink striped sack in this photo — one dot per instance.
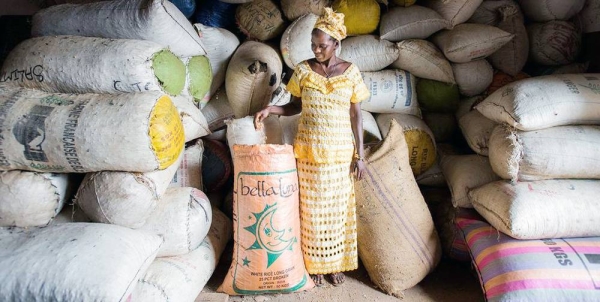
[533, 270]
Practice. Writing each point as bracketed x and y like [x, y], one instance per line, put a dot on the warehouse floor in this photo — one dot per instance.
[451, 281]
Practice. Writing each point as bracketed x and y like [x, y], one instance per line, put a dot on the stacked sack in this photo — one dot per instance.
[116, 100]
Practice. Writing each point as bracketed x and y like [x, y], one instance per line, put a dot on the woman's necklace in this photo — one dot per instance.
[327, 75]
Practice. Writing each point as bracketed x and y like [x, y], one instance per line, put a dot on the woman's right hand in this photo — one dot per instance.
[260, 116]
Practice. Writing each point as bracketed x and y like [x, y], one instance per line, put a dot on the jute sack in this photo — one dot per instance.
[414, 22]
[424, 60]
[464, 173]
[98, 262]
[371, 133]
[474, 77]
[85, 132]
[153, 20]
[182, 278]
[455, 11]
[558, 152]
[294, 9]
[189, 173]
[218, 110]
[513, 55]
[418, 137]
[368, 52]
[391, 91]
[289, 128]
[589, 17]
[198, 77]
[442, 125]
[260, 19]
[391, 211]
[544, 102]
[266, 232]
[554, 42]
[361, 17]
[242, 132]
[489, 12]
[220, 45]
[476, 128]
[29, 199]
[253, 73]
[123, 198]
[558, 208]
[182, 218]
[72, 64]
[469, 42]
[549, 10]
[296, 39]
[194, 123]
[435, 96]
[433, 177]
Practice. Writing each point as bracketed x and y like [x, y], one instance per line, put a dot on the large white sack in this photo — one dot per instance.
[73, 262]
[189, 173]
[466, 172]
[548, 10]
[554, 42]
[123, 198]
[476, 128]
[558, 152]
[473, 77]
[218, 110]
[181, 278]
[30, 199]
[424, 60]
[194, 123]
[368, 52]
[73, 64]
[455, 11]
[489, 12]
[469, 42]
[153, 20]
[253, 73]
[513, 55]
[371, 133]
[391, 91]
[220, 45]
[79, 133]
[589, 17]
[242, 132]
[182, 217]
[294, 9]
[70, 213]
[280, 96]
[413, 22]
[547, 101]
[560, 208]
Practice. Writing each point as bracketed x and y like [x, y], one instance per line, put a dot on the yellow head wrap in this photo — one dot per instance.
[332, 23]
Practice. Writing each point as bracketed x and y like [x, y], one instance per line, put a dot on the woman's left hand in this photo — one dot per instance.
[358, 168]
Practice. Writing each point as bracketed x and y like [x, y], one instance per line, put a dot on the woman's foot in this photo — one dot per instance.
[337, 278]
[319, 280]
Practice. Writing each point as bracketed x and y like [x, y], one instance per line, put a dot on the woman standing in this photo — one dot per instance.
[327, 91]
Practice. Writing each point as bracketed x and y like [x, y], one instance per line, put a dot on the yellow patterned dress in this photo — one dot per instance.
[324, 147]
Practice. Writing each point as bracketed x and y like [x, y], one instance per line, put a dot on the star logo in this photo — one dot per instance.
[246, 262]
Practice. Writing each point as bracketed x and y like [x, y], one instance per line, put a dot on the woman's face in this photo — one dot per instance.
[322, 45]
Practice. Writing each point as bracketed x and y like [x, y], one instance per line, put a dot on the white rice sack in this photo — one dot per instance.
[469, 42]
[455, 11]
[80, 133]
[280, 96]
[29, 199]
[464, 173]
[371, 133]
[72, 64]
[560, 208]
[253, 73]
[554, 42]
[189, 173]
[547, 101]
[548, 10]
[392, 91]
[218, 110]
[73, 262]
[413, 22]
[589, 16]
[513, 55]
[220, 45]
[260, 19]
[181, 278]
[473, 77]
[558, 152]
[489, 12]
[424, 60]
[123, 198]
[368, 52]
[182, 217]
[476, 128]
[289, 127]
[154, 20]
[242, 132]
[294, 9]
[194, 123]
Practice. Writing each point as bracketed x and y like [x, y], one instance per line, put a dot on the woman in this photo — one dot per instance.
[329, 148]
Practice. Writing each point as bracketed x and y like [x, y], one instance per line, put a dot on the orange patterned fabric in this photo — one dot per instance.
[332, 23]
